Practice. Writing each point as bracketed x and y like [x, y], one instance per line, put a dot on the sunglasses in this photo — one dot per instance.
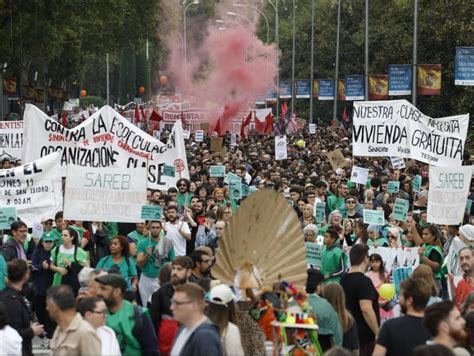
[350, 202]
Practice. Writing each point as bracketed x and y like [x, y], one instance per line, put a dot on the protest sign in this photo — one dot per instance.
[447, 195]
[169, 171]
[37, 230]
[216, 144]
[394, 258]
[375, 217]
[230, 177]
[396, 128]
[186, 134]
[151, 212]
[217, 171]
[336, 159]
[452, 259]
[199, 136]
[359, 175]
[320, 212]
[313, 254]
[235, 189]
[106, 139]
[464, 66]
[35, 188]
[281, 151]
[417, 184]
[468, 206]
[400, 209]
[233, 139]
[11, 139]
[312, 129]
[393, 186]
[7, 217]
[397, 162]
[104, 194]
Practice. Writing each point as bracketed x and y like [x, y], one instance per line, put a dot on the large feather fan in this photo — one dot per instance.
[262, 245]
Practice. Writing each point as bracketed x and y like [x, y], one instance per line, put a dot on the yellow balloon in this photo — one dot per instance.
[300, 143]
[387, 291]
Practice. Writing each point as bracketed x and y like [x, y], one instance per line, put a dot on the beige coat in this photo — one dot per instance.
[80, 338]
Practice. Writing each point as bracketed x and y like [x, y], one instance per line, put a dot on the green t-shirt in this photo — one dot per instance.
[335, 203]
[328, 321]
[427, 253]
[149, 269]
[57, 236]
[3, 272]
[136, 237]
[184, 199]
[113, 229]
[127, 269]
[68, 254]
[332, 260]
[122, 322]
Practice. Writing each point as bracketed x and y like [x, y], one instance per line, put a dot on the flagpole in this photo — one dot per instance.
[107, 68]
[293, 96]
[311, 120]
[415, 43]
[334, 114]
[366, 49]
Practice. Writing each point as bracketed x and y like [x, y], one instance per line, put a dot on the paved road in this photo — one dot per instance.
[38, 349]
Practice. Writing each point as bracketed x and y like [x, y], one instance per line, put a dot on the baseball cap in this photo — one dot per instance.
[221, 294]
[47, 236]
[112, 279]
[468, 231]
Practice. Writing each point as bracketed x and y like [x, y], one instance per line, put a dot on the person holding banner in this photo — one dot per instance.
[67, 260]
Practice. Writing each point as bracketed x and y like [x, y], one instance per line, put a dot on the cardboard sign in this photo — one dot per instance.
[397, 162]
[11, 139]
[417, 184]
[359, 175]
[7, 217]
[400, 209]
[235, 189]
[313, 254]
[216, 144]
[312, 129]
[199, 135]
[186, 134]
[34, 189]
[151, 212]
[448, 193]
[245, 190]
[233, 139]
[320, 212]
[169, 171]
[374, 217]
[105, 194]
[336, 159]
[105, 140]
[217, 171]
[231, 176]
[393, 186]
[281, 150]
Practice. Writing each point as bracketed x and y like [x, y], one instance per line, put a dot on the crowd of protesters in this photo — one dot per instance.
[147, 288]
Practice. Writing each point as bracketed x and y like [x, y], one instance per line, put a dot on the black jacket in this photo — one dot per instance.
[42, 278]
[9, 252]
[18, 311]
[205, 340]
[161, 304]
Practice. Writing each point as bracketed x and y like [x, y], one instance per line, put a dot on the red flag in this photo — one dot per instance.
[137, 115]
[269, 124]
[155, 116]
[245, 123]
[218, 128]
[260, 126]
[143, 113]
[182, 119]
[64, 117]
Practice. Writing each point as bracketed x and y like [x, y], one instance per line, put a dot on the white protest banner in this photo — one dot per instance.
[359, 175]
[199, 135]
[11, 139]
[312, 129]
[394, 258]
[35, 188]
[186, 134]
[397, 162]
[396, 128]
[448, 194]
[106, 139]
[281, 151]
[104, 194]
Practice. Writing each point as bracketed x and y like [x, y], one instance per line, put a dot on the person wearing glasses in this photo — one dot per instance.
[93, 310]
[184, 195]
[351, 205]
[201, 265]
[337, 201]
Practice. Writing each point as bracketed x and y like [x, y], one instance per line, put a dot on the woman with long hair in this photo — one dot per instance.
[67, 260]
[334, 294]
[424, 272]
[119, 261]
[221, 311]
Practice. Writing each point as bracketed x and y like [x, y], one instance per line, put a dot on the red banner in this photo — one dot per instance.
[429, 79]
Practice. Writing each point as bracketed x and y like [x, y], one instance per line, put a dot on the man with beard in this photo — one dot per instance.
[400, 336]
[362, 298]
[184, 195]
[160, 308]
[152, 254]
[466, 284]
[445, 323]
[194, 217]
[177, 231]
[201, 265]
[131, 323]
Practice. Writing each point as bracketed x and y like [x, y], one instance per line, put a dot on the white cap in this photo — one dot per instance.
[221, 294]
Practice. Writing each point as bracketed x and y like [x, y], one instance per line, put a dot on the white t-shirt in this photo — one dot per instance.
[10, 344]
[172, 233]
[181, 341]
[109, 342]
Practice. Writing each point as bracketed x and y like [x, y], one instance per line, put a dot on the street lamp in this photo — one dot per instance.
[293, 87]
[230, 13]
[185, 55]
[274, 4]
